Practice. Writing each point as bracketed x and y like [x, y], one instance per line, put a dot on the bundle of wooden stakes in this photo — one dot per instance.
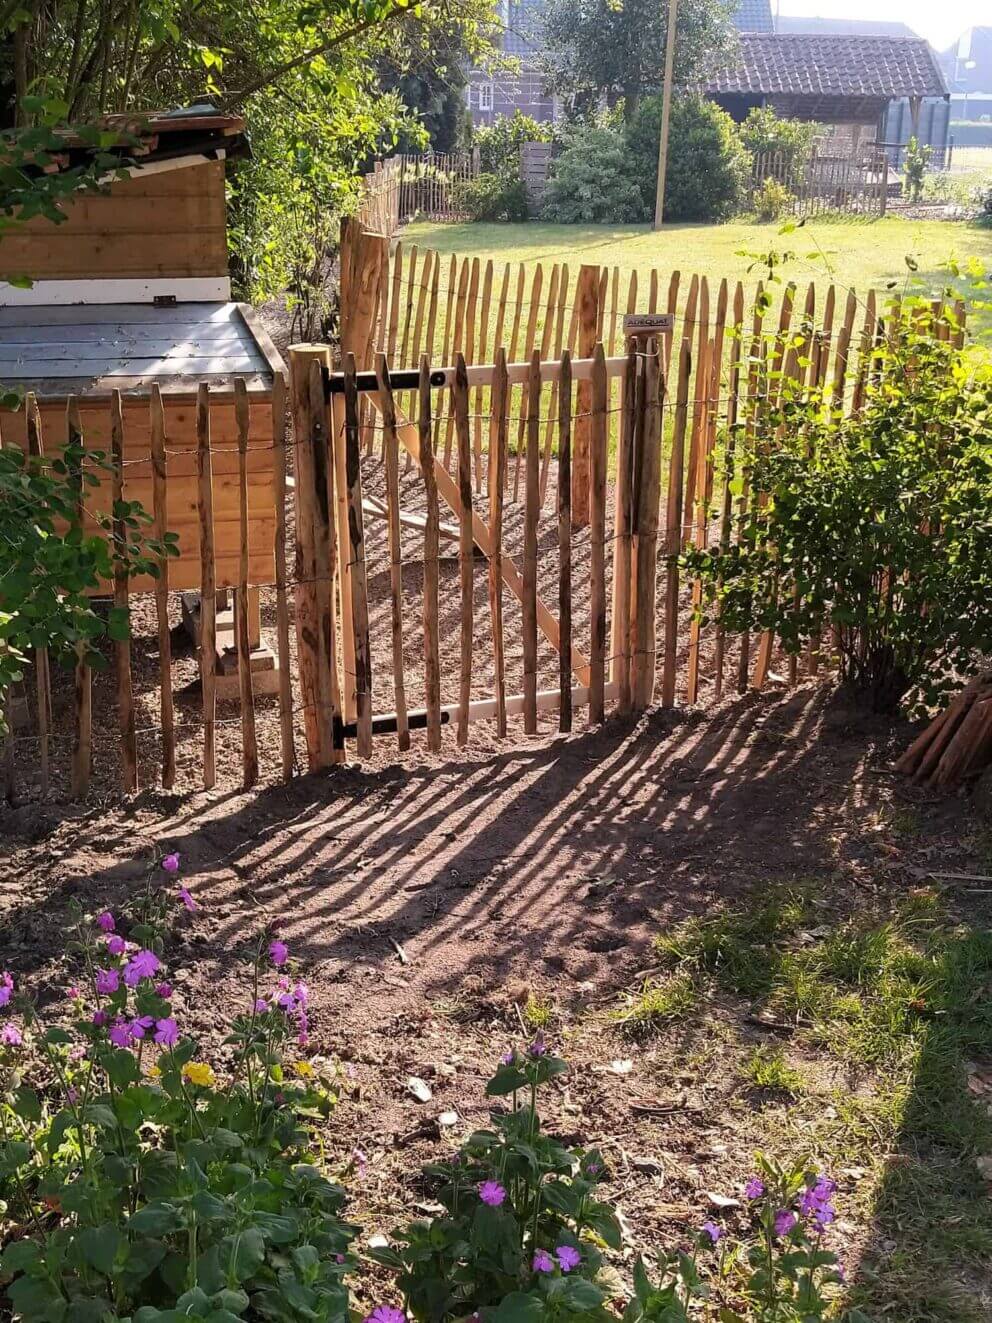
[957, 744]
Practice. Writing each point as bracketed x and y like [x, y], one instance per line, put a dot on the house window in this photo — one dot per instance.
[485, 96]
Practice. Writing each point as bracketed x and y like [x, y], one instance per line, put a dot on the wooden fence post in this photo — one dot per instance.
[282, 606]
[122, 648]
[82, 754]
[160, 513]
[36, 449]
[208, 585]
[305, 570]
[598, 442]
[587, 310]
[249, 740]
[647, 486]
[354, 550]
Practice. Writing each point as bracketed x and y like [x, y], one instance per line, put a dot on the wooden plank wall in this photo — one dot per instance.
[171, 223]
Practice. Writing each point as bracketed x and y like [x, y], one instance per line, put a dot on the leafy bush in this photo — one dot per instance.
[592, 181]
[915, 165]
[875, 524]
[772, 200]
[708, 168]
[764, 131]
[49, 563]
[491, 197]
[983, 197]
[499, 143]
[144, 1185]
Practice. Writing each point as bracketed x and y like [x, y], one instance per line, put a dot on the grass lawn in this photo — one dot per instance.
[855, 254]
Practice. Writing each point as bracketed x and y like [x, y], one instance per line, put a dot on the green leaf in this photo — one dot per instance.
[20, 1255]
[580, 1294]
[508, 1079]
[155, 1220]
[27, 1104]
[99, 1247]
[518, 1307]
[241, 1254]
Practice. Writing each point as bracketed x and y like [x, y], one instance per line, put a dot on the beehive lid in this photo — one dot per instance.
[94, 349]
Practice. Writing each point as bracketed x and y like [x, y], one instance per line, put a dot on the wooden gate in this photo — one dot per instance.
[553, 453]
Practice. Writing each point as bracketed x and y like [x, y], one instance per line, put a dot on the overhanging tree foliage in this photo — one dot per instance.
[616, 48]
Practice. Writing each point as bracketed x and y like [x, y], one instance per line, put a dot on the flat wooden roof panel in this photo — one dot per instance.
[81, 349]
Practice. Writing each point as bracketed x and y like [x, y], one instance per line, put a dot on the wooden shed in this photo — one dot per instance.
[132, 290]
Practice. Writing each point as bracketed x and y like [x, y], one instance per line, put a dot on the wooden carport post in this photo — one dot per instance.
[587, 316]
[364, 265]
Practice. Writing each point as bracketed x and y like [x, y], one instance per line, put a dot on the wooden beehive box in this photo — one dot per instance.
[133, 290]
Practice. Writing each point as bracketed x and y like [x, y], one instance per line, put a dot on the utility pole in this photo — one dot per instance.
[666, 110]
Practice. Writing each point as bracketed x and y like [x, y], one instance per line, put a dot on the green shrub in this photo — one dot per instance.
[764, 131]
[772, 201]
[875, 524]
[983, 197]
[708, 168]
[592, 181]
[915, 168]
[499, 143]
[137, 1183]
[491, 197]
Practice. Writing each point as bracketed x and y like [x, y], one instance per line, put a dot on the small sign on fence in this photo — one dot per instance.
[648, 323]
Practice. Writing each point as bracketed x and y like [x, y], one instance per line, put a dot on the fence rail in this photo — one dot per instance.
[821, 183]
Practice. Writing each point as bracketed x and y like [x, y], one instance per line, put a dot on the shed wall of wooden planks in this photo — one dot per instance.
[172, 223]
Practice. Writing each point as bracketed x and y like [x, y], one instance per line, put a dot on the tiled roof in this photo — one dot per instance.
[802, 65]
[753, 16]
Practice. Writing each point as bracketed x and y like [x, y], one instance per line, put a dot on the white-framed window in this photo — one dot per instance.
[485, 96]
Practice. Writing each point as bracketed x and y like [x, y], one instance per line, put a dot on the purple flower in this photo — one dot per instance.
[145, 964]
[385, 1314]
[107, 981]
[302, 993]
[106, 921]
[166, 1032]
[72, 1094]
[116, 945]
[568, 1258]
[785, 1220]
[99, 1018]
[593, 1169]
[543, 1262]
[140, 1025]
[6, 988]
[278, 954]
[188, 900]
[539, 1047]
[164, 990]
[823, 1216]
[508, 1058]
[339, 1258]
[755, 1188]
[815, 1201]
[10, 1035]
[712, 1230]
[360, 1160]
[73, 993]
[171, 863]
[261, 1006]
[119, 1033]
[492, 1193]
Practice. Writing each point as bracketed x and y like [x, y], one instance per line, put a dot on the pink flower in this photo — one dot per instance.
[10, 1035]
[188, 900]
[6, 988]
[145, 964]
[140, 1025]
[119, 1033]
[116, 945]
[73, 993]
[106, 921]
[785, 1220]
[568, 1258]
[386, 1314]
[99, 1018]
[164, 990]
[278, 952]
[261, 1006]
[492, 1193]
[166, 1032]
[171, 863]
[543, 1262]
[107, 981]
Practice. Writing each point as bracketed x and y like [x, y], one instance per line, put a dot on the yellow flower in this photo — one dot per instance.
[199, 1072]
[303, 1069]
[154, 1072]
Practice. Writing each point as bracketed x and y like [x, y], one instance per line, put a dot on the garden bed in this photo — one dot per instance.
[441, 912]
